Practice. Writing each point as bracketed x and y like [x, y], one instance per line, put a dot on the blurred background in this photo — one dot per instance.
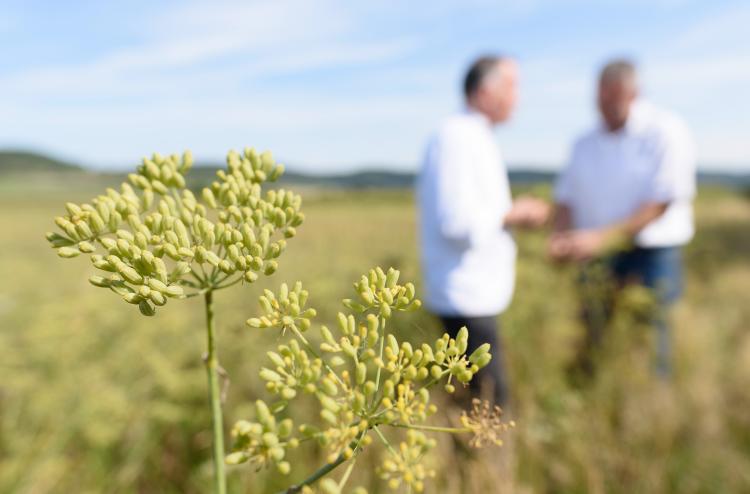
[95, 398]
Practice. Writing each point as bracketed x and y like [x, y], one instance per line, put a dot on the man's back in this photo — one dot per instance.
[468, 258]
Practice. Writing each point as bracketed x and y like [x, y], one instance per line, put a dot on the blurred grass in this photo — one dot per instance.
[95, 398]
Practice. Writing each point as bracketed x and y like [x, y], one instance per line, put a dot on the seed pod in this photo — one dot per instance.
[328, 416]
[157, 285]
[83, 230]
[348, 348]
[86, 247]
[391, 278]
[146, 308]
[329, 403]
[209, 198]
[182, 233]
[99, 281]
[262, 412]
[157, 298]
[385, 311]
[328, 387]
[129, 273]
[269, 375]
[392, 344]
[212, 258]
[483, 360]
[270, 268]
[462, 340]
[159, 187]
[361, 374]
[476, 354]
[173, 291]
[226, 266]
[436, 371]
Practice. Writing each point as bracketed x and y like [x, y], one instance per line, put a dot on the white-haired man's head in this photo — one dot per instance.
[618, 88]
[491, 87]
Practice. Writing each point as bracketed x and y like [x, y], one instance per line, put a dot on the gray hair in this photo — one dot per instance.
[619, 70]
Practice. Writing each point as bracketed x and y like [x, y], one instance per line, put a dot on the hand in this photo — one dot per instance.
[560, 246]
[528, 211]
[581, 245]
[586, 244]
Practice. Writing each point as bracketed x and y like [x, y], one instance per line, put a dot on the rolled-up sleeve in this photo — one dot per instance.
[674, 174]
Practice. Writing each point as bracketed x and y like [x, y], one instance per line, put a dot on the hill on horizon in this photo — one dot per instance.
[18, 162]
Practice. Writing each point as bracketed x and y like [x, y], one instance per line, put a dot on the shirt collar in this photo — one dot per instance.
[473, 112]
[637, 117]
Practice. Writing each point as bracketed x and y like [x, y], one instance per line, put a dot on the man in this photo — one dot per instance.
[468, 254]
[625, 197]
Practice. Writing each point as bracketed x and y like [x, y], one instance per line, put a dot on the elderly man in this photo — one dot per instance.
[468, 254]
[624, 200]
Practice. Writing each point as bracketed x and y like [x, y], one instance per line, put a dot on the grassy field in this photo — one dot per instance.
[95, 398]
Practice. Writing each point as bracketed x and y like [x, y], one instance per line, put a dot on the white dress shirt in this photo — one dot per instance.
[468, 258]
[612, 174]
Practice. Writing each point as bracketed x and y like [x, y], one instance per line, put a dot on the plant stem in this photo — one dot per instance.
[214, 395]
[325, 469]
[377, 374]
[433, 428]
[385, 441]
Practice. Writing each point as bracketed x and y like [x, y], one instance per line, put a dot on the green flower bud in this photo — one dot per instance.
[481, 350]
[68, 252]
[385, 311]
[157, 298]
[284, 467]
[483, 360]
[328, 387]
[146, 308]
[328, 403]
[174, 291]
[270, 268]
[269, 375]
[99, 281]
[236, 458]
[328, 416]
[361, 374]
[86, 247]
[462, 340]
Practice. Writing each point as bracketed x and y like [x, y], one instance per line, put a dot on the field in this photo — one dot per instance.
[95, 398]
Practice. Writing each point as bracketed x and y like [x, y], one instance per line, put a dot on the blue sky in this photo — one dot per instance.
[334, 85]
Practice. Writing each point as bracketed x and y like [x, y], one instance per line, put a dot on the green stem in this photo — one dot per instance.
[433, 428]
[385, 441]
[325, 469]
[347, 473]
[214, 394]
[377, 374]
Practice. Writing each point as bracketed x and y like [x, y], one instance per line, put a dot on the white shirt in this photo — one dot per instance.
[612, 174]
[468, 258]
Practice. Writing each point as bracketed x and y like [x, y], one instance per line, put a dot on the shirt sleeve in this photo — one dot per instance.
[674, 175]
[460, 215]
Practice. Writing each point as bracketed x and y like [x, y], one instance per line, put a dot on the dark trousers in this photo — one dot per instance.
[659, 269]
[490, 379]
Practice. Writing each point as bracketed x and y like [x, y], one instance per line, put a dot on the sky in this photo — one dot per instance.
[336, 85]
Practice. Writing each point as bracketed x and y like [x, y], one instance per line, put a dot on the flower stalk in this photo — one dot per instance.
[211, 362]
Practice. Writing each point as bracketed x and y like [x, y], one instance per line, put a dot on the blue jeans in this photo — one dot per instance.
[659, 269]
